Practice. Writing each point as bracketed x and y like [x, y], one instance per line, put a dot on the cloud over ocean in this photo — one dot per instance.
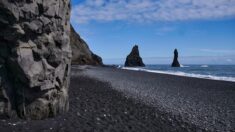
[152, 10]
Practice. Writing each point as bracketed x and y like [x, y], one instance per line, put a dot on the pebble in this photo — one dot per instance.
[156, 115]
[13, 124]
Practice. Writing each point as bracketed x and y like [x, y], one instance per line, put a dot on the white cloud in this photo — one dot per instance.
[164, 30]
[152, 10]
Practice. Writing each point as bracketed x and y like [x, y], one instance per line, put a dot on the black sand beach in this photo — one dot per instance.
[208, 104]
[109, 99]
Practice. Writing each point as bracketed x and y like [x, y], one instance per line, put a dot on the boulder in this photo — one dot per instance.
[134, 59]
[35, 58]
[175, 62]
[82, 55]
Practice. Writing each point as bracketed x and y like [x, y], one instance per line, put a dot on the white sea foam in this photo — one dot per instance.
[119, 66]
[183, 66]
[205, 66]
[178, 73]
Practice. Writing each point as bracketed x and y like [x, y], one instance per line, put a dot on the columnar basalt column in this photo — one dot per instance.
[35, 58]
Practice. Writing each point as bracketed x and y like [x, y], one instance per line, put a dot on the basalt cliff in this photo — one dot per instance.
[82, 55]
[35, 58]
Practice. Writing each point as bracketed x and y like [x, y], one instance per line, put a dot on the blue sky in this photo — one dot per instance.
[202, 31]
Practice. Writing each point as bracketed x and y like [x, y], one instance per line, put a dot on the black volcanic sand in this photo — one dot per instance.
[96, 105]
[208, 104]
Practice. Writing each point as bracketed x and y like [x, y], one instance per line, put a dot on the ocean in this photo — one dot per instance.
[214, 72]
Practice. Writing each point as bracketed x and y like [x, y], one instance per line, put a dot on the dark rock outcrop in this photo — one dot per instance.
[35, 58]
[175, 62]
[134, 59]
[82, 55]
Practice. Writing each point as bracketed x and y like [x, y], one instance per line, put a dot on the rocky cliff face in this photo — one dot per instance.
[175, 62]
[35, 57]
[134, 59]
[82, 55]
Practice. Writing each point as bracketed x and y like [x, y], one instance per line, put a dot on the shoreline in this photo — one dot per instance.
[176, 73]
[203, 102]
[183, 74]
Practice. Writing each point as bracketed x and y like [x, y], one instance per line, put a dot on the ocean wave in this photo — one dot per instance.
[205, 66]
[179, 73]
[183, 66]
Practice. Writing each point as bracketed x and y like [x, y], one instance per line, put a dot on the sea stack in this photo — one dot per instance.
[175, 61]
[35, 58]
[134, 59]
[82, 55]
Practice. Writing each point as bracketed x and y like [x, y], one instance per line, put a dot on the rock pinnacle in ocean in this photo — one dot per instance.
[175, 62]
[134, 59]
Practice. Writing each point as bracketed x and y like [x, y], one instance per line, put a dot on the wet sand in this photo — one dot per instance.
[109, 99]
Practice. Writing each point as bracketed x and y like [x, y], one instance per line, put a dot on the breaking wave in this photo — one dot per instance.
[179, 73]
